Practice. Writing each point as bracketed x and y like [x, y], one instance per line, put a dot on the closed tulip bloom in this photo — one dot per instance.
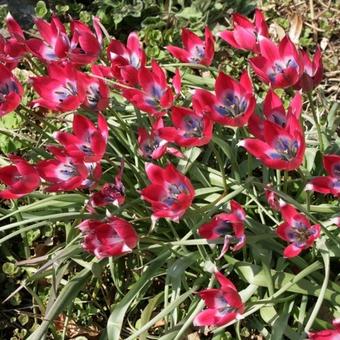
[11, 91]
[110, 237]
[312, 71]
[21, 178]
[245, 35]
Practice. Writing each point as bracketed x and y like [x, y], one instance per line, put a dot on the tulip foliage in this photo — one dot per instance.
[181, 177]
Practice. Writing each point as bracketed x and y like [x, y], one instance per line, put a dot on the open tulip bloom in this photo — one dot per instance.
[62, 90]
[11, 91]
[88, 142]
[274, 111]
[229, 226]
[281, 148]
[297, 230]
[155, 96]
[233, 102]
[280, 65]
[195, 50]
[170, 192]
[191, 128]
[328, 184]
[224, 304]
[55, 45]
[245, 34]
[66, 173]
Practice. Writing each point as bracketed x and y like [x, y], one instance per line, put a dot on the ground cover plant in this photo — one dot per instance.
[181, 181]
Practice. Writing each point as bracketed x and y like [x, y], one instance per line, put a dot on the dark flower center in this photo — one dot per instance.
[280, 67]
[286, 149]
[224, 228]
[6, 88]
[93, 95]
[197, 54]
[111, 192]
[174, 190]
[299, 233]
[86, 149]
[155, 96]
[223, 306]
[232, 106]
[67, 171]
[150, 145]
[193, 126]
[336, 170]
[69, 89]
[279, 119]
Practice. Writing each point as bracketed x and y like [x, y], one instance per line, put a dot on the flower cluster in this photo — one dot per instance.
[75, 161]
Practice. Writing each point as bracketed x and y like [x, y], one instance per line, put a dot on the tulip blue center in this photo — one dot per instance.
[336, 170]
[135, 61]
[286, 149]
[278, 118]
[336, 184]
[197, 54]
[67, 171]
[49, 54]
[150, 145]
[299, 233]
[93, 95]
[174, 190]
[112, 192]
[232, 106]
[224, 228]
[223, 307]
[6, 88]
[155, 95]
[65, 91]
[280, 67]
[86, 149]
[193, 126]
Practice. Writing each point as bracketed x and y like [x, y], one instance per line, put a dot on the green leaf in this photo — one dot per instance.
[255, 274]
[147, 312]
[116, 319]
[189, 13]
[41, 9]
[64, 299]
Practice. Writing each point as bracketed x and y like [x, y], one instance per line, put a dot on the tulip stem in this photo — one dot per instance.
[23, 233]
[220, 163]
[325, 257]
[316, 120]
[278, 179]
[285, 181]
